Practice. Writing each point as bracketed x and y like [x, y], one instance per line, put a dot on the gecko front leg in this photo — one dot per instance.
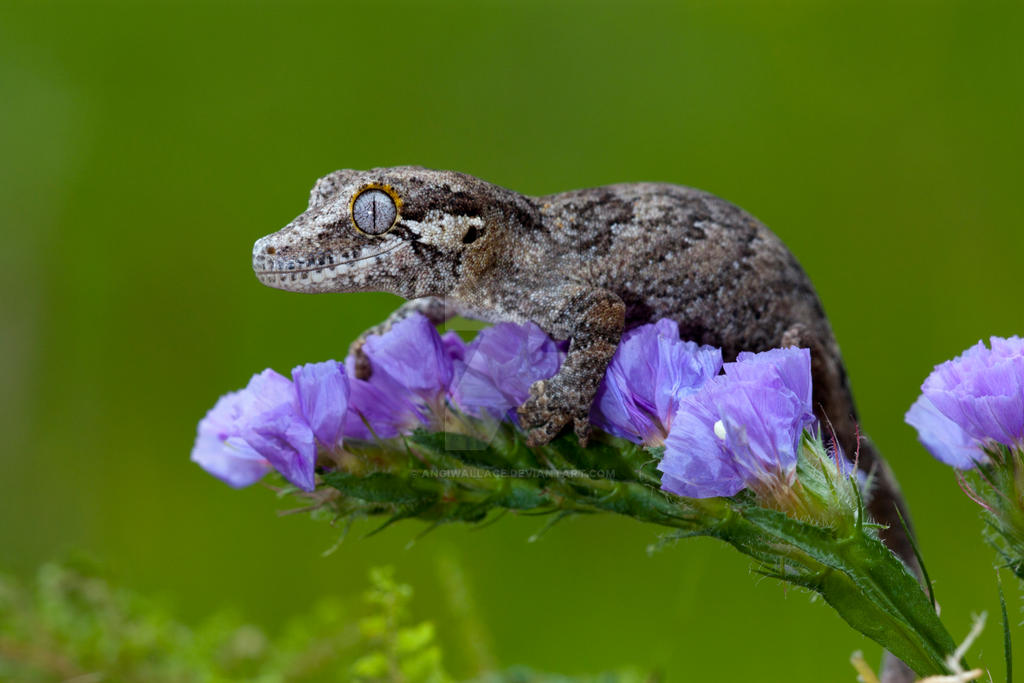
[435, 308]
[592, 320]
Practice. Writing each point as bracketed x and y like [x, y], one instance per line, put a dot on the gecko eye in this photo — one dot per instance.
[374, 211]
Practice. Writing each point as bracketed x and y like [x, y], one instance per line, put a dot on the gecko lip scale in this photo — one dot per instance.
[260, 272]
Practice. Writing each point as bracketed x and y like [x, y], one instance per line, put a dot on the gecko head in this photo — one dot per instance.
[406, 230]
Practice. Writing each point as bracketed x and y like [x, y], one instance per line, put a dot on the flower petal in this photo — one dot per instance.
[651, 371]
[982, 392]
[943, 437]
[323, 391]
[287, 443]
[741, 429]
[258, 427]
[696, 463]
[792, 365]
[500, 365]
[221, 452]
[411, 357]
[379, 412]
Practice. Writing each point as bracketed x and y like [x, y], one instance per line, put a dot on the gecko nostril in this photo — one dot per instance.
[271, 250]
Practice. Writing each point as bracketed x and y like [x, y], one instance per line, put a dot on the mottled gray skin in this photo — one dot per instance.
[584, 265]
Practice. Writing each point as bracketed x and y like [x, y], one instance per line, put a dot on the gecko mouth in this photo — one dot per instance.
[310, 275]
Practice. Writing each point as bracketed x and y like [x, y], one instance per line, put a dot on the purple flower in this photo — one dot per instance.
[497, 368]
[219, 447]
[262, 421]
[374, 411]
[943, 438]
[974, 399]
[411, 357]
[323, 391]
[652, 370]
[792, 365]
[412, 368]
[453, 345]
[742, 429]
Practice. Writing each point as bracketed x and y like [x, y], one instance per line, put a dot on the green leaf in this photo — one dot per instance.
[917, 555]
[373, 665]
[373, 627]
[414, 638]
[378, 487]
[1007, 644]
[866, 584]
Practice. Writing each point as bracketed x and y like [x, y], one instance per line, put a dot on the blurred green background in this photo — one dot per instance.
[145, 146]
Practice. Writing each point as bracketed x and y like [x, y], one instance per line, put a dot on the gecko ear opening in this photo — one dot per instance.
[471, 235]
[374, 209]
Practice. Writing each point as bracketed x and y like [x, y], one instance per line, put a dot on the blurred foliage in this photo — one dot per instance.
[398, 651]
[73, 623]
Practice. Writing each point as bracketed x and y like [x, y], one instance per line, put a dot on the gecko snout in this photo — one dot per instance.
[263, 254]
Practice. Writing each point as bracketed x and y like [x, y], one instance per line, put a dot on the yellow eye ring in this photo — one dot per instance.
[374, 209]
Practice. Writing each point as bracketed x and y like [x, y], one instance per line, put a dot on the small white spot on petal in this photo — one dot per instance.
[720, 430]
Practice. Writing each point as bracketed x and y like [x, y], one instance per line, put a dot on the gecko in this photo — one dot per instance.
[585, 266]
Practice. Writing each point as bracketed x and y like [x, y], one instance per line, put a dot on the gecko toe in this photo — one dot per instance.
[582, 428]
[543, 434]
[361, 363]
[547, 411]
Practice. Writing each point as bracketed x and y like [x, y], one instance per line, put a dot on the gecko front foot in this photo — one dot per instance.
[361, 364]
[550, 407]
[435, 309]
